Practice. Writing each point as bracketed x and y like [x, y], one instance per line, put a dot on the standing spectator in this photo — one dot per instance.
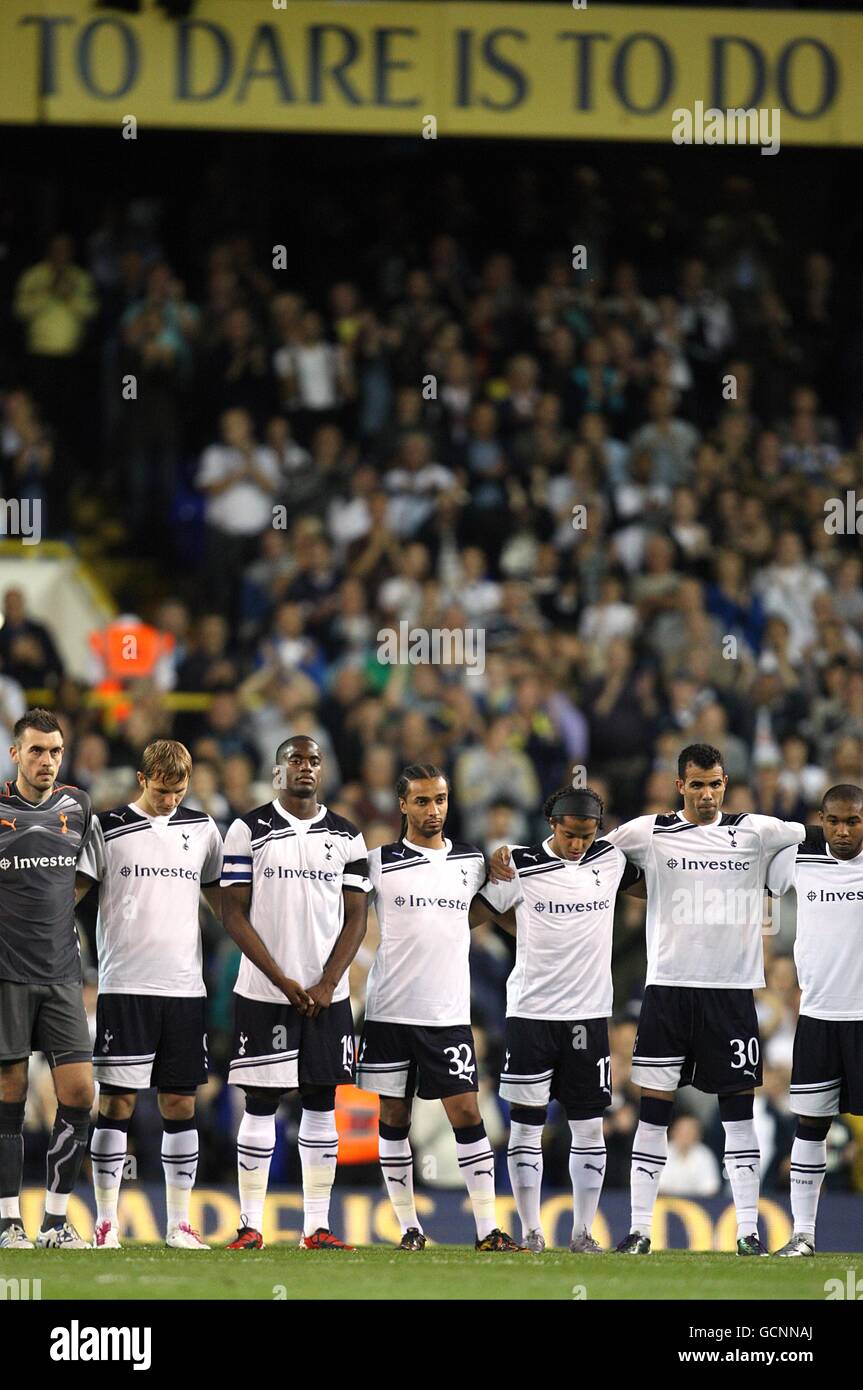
[149, 424]
[237, 373]
[314, 378]
[27, 650]
[240, 480]
[413, 483]
[708, 328]
[55, 299]
[670, 441]
[787, 588]
[493, 769]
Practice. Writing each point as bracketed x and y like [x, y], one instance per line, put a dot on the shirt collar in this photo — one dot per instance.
[295, 821]
[447, 846]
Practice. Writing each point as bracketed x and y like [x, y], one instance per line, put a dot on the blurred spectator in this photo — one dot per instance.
[691, 1169]
[240, 480]
[55, 300]
[314, 377]
[28, 653]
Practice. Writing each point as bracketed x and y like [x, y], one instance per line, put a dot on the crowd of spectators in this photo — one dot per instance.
[617, 476]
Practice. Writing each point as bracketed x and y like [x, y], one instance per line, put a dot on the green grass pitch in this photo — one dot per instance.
[283, 1272]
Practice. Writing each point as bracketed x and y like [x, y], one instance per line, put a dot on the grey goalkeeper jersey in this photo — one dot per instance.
[39, 849]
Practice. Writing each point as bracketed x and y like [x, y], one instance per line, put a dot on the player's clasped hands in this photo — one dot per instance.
[300, 998]
[500, 867]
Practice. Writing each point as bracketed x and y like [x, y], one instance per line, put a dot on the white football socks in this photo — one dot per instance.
[108, 1147]
[256, 1141]
[587, 1170]
[649, 1154]
[808, 1167]
[180, 1166]
[397, 1166]
[743, 1166]
[319, 1154]
[524, 1161]
[476, 1161]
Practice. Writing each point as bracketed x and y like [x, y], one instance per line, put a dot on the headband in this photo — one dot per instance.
[577, 802]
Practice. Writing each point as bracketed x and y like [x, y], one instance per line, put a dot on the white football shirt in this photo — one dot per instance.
[564, 927]
[297, 869]
[705, 894]
[828, 950]
[420, 973]
[150, 870]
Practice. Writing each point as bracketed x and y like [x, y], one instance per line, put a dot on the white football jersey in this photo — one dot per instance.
[420, 973]
[705, 894]
[828, 950]
[297, 869]
[564, 927]
[150, 870]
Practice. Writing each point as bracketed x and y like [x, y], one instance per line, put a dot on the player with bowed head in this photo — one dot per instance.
[559, 1000]
[152, 859]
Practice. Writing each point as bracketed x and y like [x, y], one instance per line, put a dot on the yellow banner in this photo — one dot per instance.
[433, 70]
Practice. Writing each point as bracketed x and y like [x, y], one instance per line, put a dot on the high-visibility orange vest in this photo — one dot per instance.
[357, 1114]
[129, 649]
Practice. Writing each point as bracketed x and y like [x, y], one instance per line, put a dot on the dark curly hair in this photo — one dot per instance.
[562, 791]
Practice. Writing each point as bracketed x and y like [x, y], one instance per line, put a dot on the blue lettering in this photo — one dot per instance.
[620, 78]
[582, 97]
[720, 98]
[507, 70]
[266, 39]
[317, 39]
[129, 46]
[384, 64]
[224, 54]
[829, 78]
[463, 90]
[48, 86]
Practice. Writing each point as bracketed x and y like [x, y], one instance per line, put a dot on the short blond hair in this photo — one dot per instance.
[168, 759]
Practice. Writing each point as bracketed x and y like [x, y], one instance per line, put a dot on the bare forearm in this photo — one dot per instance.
[240, 929]
[349, 941]
[482, 911]
[83, 884]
